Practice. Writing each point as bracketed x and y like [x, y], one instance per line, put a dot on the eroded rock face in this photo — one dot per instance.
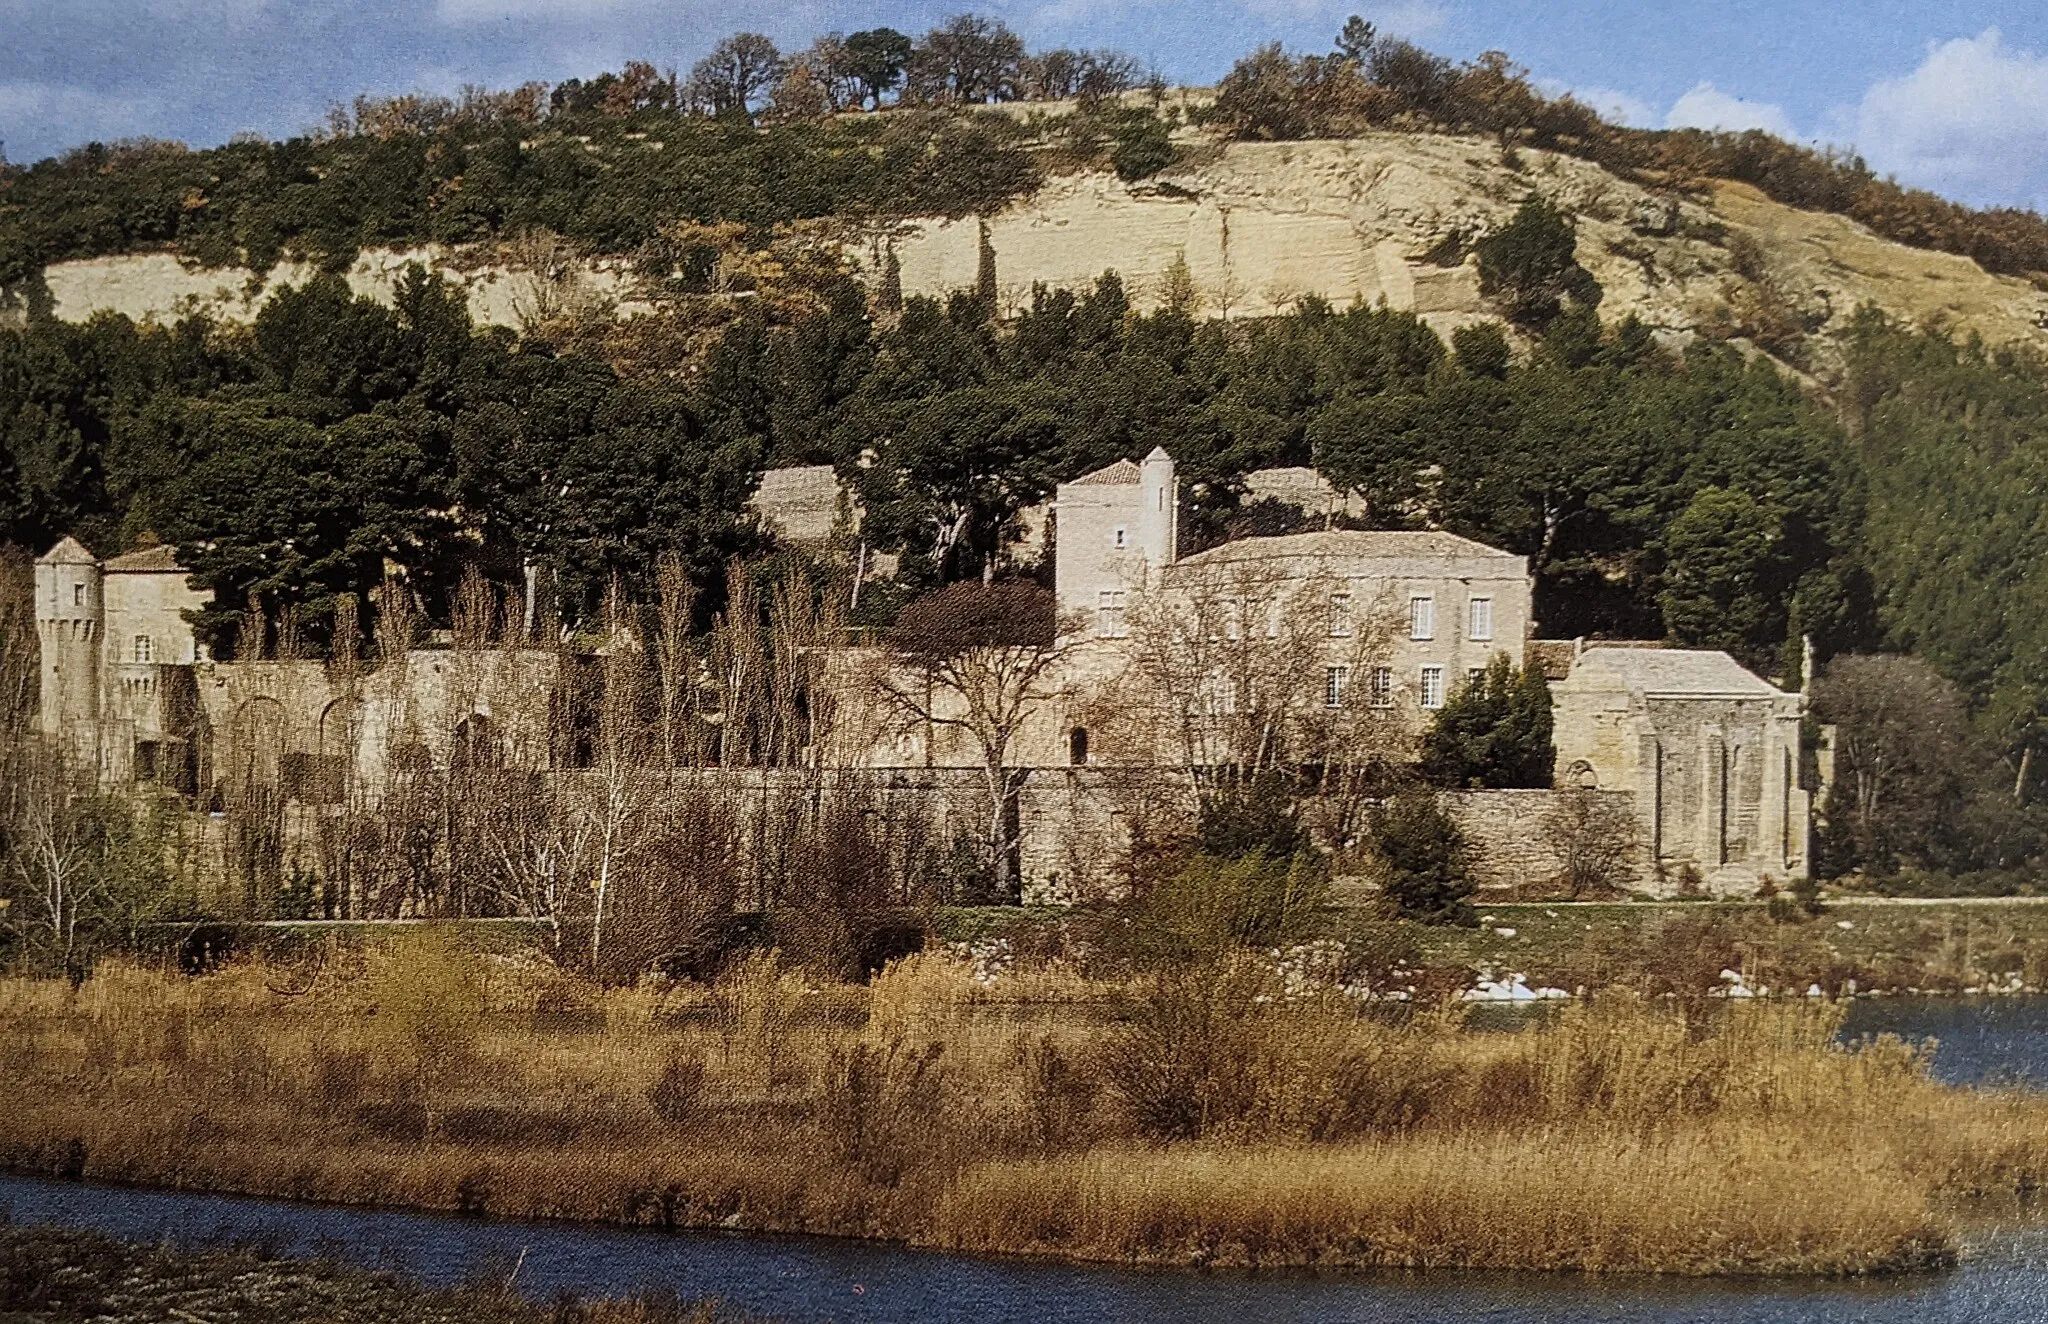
[1259, 226]
[163, 286]
[1393, 216]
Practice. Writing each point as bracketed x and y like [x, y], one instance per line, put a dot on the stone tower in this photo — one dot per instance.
[70, 620]
[1117, 527]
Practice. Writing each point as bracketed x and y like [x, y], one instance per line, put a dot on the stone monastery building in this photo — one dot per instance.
[1370, 630]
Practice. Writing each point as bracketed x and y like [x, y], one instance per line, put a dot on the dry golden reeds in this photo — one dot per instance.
[1200, 1116]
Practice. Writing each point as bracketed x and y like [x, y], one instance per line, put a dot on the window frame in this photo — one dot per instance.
[1432, 680]
[1421, 617]
[1336, 680]
[1341, 624]
[1473, 610]
[1109, 614]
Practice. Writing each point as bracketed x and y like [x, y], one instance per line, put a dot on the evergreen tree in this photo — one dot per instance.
[1427, 860]
[1494, 733]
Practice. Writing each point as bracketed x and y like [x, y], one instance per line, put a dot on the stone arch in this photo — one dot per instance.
[1581, 775]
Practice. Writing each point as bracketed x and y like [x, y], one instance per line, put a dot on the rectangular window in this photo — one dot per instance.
[78, 595]
[1340, 616]
[1233, 619]
[1122, 536]
[1473, 675]
[1334, 681]
[1432, 687]
[1481, 626]
[145, 648]
[1422, 618]
[1109, 613]
[1382, 687]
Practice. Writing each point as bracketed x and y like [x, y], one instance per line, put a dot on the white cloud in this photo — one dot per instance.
[85, 113]
[1971, 122]
[1708, 107]
[561, 11]
[1615, 106]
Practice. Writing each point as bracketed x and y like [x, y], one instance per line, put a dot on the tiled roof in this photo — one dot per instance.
[1124, 473]
[1670, 671]
[161, 559]
[1345, 542]
[68, 552]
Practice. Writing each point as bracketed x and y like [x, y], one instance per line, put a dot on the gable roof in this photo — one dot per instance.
[1402, 544]
[161, 559]
[70, 551]
[1124, 473]
[1692, 671]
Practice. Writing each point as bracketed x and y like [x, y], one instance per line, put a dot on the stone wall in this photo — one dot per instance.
[1516, 844]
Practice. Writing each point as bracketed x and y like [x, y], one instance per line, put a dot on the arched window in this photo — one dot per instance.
[1077, 747]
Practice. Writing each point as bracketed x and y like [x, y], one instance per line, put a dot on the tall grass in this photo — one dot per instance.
[1202, 1115]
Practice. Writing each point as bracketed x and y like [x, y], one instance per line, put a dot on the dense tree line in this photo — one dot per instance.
[1697, 494]
[295, 459]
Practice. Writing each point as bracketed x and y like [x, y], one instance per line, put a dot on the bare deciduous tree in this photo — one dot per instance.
[981, 660]
[736, 73]
[1593, 836]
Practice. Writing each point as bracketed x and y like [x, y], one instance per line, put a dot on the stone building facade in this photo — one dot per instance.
[1377, 628]
[1709, 751]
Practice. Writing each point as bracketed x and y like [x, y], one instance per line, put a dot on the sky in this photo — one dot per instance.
[1951, 97]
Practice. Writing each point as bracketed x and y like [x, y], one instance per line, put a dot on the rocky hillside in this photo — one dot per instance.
[1259, 225]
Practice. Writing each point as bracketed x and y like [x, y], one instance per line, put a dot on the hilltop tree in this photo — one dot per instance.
[737, 73]
[874, 61]
[966, 60]
[1355, 42]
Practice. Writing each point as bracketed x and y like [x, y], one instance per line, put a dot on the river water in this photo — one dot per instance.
[2004, 1278]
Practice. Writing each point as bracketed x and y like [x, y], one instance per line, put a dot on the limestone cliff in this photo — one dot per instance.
[1259, 225]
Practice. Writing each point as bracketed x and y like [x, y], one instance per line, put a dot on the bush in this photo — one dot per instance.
[1426, 858]
[677, 1093]
[1210, 905]
[1530, 265]
[1143, 148]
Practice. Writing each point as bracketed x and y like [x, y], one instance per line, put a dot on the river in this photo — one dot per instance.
[2004, 1277]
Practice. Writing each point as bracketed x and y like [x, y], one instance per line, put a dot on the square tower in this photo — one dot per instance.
[1117, 528]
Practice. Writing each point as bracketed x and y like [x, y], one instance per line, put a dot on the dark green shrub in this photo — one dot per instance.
[1426, 858]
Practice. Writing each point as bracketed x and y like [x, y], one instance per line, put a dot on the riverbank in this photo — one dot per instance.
[1854, 945]
[1211, 1117]
[56, 1275]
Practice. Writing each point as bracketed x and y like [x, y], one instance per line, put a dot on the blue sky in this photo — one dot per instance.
[1952, 97]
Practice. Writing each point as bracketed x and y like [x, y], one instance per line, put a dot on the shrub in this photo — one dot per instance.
[1211, 904]
[1593, 836]
[880, 1107]
[677, 1093]
[1143, 148]
[1426, 859]
[1530, 265]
